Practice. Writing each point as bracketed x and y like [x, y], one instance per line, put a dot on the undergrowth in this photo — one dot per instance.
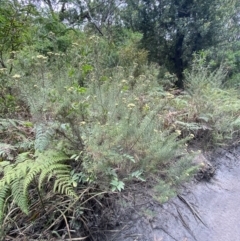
[96, 125]
[214, 109]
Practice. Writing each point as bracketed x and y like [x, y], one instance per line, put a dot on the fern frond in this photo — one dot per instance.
[23, 157]
[34, 171]
[4, 192]
[9, 174]
[49, 172]
[63, 185]
[43, 163]
[16, 171]
[43, 136]
[20, 198]
[23, 168]
[43, 166]
[50, 157]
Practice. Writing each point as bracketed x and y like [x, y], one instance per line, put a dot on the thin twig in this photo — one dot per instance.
[194, 212]
[185, 224]
[73, 239]
[87, 189]
[66, 222]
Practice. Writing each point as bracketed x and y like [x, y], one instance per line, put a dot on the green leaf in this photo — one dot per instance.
[116, 184]
[87, 68]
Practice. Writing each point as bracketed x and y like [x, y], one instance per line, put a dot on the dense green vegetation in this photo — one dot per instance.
[96, 96]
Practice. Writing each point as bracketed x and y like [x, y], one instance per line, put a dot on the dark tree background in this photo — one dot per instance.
[174, 29]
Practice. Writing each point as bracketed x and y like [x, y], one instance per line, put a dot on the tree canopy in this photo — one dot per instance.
[174, 29]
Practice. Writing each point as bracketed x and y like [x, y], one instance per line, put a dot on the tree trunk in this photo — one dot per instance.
[178, 62]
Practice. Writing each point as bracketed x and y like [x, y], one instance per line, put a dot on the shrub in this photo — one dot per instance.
[109, 122]
[208, 110]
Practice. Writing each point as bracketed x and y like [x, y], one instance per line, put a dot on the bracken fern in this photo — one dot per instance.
[27, 170]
